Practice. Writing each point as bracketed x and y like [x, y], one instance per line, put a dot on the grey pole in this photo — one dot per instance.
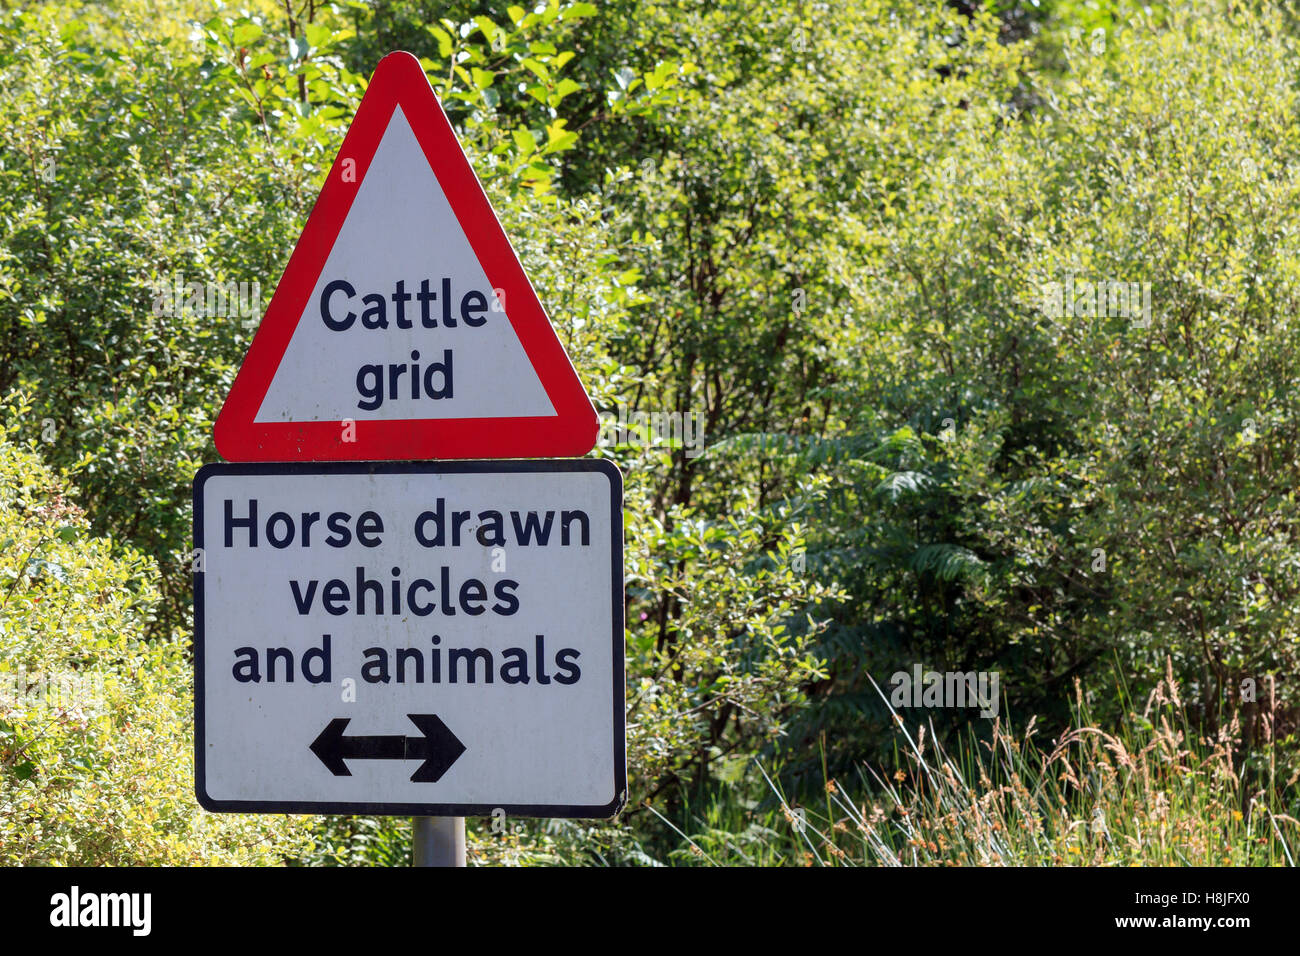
[439, 841]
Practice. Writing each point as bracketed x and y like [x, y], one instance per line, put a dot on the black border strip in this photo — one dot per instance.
[607, 468]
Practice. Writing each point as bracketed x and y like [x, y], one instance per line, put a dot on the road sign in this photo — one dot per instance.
[414, 638]
[404, 326]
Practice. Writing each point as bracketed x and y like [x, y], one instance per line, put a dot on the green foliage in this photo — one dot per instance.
[1098, 478]
[359, 841]
[828, 233]
[718, 642]
[119, 171]
[96, 734]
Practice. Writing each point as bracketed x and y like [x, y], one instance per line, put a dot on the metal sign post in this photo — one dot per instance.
[438, 841]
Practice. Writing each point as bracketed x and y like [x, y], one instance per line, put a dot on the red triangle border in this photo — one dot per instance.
[571, 432]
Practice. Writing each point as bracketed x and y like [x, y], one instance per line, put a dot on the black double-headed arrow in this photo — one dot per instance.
[437, 746]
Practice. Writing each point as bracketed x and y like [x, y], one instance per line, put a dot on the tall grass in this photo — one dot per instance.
[1152, 793]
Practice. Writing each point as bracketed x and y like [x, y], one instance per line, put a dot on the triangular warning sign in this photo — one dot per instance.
[404, 326]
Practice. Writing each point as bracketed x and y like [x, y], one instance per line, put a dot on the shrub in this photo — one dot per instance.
[96, 729]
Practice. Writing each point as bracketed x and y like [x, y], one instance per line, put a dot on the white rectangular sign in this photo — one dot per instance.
[440, 639]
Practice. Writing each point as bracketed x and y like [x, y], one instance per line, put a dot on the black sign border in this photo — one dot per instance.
[547, 466]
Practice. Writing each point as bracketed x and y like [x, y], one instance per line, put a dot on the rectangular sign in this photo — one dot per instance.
[440, 639]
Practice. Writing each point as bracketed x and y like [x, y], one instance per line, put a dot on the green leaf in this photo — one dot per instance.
[246, 32]
[538, 68]
[557, 138]
[443, 38]
[487, 27]
[563, 89]
[524, 141]
[319, 35]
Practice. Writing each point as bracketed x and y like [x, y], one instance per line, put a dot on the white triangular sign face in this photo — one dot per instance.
[399, 251]
[404, 326]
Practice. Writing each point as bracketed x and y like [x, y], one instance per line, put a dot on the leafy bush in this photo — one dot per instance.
[96, 730]
[1059, 492]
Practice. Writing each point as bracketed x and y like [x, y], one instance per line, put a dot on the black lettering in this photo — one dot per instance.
[447, 318]
[365, 586]
[447, 608]
[507, 602]
[336, 325]
[443, 367]
[436, 517]
[274, 654]
[375, 671]
[250, 523]
[284, 542]
[515, 670]
[476, 301]
[321, 654]
[371, 391]
[245, 670]
[405, 654]
[491, 531]
[340, 533]
[376, 314]
[419, 610]
[563, 660]
[335, 597]
[400, 298]
[541, 660]
[425, 295]
[581, 517]
[532, 527]
[369, 526]
[308, 519]
[472, 596]
[303, 601]
[471, 656]
[458, 518]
